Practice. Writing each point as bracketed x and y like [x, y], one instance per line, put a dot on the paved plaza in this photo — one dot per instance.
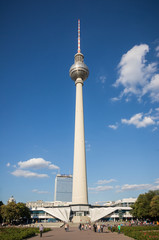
[76, 234]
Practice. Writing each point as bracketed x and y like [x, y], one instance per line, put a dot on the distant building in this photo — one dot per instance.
[11, 199]
[125, 202]
[63, 188]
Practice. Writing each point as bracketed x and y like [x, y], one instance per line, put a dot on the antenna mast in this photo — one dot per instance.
[79, 50]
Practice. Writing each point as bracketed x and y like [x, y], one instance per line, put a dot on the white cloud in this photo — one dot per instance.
[100, 188]
[153, 88]
[136, 75]
[114, 127]
[28, 174]
[88, 146]
[115, 99]
[155, 188]
[8, 164]
[37, 163]
[40, 192]
[102, 79]
[105, 181]
[157, 180]
[154, 129]
[135, 187]
[139, 120]
[52, 166]
[157, 51]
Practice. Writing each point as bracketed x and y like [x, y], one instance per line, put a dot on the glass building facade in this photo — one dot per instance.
[63, 188]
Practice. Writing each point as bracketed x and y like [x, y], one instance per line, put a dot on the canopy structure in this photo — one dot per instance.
[98, 213]
[61, 213]
[95, 213]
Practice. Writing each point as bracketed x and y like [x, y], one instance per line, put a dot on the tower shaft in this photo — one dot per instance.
[79, 193]
[79, 73]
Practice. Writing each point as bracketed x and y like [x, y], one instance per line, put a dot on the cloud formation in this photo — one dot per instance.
[105, 181]
[134, 187]
[100, 188]
[102, 79]
[39, 192]
[37, 163]
[137, 76]
[157, 181]
[28, 174]
[139, 120]
[114, 127]
[87, 146]
[157, 51]
[8, 164]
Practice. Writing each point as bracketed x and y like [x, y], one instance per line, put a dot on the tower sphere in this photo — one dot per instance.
[79, 69]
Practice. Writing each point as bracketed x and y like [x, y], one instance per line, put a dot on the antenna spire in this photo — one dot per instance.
[79, 50]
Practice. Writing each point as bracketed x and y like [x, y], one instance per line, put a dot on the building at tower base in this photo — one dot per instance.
[63, 211]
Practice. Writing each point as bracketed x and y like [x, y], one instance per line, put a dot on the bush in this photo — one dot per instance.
[140, 232]
[14, 233]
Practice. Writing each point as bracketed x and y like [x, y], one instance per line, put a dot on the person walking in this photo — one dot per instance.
[41, 228]
[79, 226]
[66, 227]
[119, 227]
[101, 227]
[98, 228]
[94, 227]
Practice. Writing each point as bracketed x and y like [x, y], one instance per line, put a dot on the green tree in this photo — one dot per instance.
[142, 208]
[15, 212]
[9, 212]
[1, 219]
[23, 212]
[155, 207]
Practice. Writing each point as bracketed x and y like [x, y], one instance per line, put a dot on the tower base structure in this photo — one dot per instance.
[80, 213]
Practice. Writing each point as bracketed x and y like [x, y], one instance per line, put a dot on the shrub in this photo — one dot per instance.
[140, 232]
[14, 233]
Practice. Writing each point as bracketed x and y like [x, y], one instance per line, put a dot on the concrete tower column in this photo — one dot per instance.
[79, 194]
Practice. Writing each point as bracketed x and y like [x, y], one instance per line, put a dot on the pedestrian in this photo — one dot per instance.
[41, 228]
[98, 228]
[79, 226]
[101, 227]
[119, 227]
[66, 227]
[94, 227]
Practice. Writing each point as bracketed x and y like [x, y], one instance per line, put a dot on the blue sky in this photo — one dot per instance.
[120, 42]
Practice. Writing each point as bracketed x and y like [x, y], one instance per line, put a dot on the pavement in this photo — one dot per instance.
[75, 234]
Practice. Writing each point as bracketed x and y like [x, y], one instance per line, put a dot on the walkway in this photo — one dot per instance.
[75, 234]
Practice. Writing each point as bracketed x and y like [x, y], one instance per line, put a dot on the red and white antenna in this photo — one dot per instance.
[79, 50]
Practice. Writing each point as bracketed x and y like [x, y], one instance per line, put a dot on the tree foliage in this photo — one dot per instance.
[1, 203]
[155, 206]
[146, 206]
[15, 212]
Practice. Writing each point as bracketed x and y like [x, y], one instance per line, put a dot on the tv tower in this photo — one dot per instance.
[79, 73]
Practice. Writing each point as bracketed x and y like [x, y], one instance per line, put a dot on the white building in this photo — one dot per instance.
[11, 199]
[54, 211]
